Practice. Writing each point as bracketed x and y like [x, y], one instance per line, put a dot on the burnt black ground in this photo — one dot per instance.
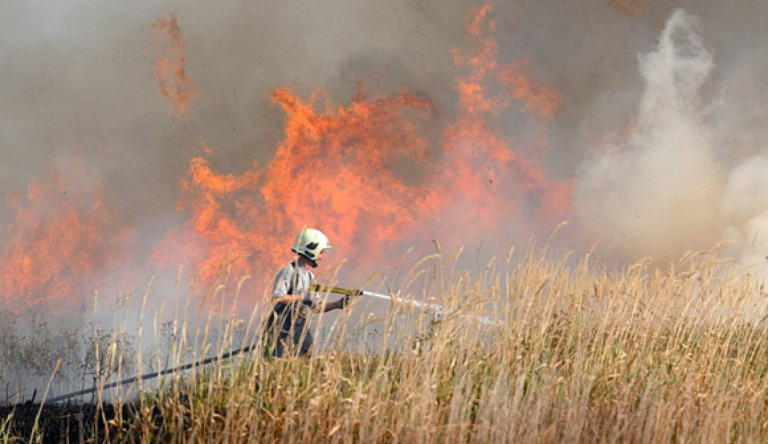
[60, 423]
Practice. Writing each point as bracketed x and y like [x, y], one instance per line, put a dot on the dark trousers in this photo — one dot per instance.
[286, 332]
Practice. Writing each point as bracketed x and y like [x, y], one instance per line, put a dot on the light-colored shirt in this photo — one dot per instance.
[293, 279]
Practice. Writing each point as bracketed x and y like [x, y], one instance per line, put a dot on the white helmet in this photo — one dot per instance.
[310, 243]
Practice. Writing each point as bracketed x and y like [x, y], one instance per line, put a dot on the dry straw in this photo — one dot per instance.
[578, 354]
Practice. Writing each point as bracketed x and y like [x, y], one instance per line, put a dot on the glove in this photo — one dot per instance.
[347, 298]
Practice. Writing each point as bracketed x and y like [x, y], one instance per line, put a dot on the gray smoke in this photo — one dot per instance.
[667, 150]
[79, 89]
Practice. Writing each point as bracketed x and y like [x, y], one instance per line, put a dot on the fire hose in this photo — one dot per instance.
[435, 309]
[153, 375]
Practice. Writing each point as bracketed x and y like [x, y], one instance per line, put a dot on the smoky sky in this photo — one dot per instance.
[78, 82]
[660, 125]
[78, 85]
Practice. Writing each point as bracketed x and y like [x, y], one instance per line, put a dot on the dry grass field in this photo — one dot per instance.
[576, 353]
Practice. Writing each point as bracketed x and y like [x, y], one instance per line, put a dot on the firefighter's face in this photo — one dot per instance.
[308, 263]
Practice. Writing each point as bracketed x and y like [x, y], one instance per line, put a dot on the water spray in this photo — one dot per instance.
[435, 309]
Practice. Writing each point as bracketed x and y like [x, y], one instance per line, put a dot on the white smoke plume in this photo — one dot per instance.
[670, 189]
[744, 203]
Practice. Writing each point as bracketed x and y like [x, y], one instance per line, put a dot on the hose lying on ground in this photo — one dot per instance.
[153, 375]
[435, 309]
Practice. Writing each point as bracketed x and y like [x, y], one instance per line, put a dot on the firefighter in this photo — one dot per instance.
[286, 331]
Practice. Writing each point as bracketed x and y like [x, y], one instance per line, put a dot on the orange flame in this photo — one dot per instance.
[374, 174]
[56, 248]
[329, 171]
[170, 69]
[493, 176]
[538, 98]
[631, 7]
[368, 175]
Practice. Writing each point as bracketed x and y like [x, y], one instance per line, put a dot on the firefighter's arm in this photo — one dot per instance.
[324, 306]
[288, 298]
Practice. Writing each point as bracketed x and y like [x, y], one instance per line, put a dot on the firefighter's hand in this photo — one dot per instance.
[345, 301]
